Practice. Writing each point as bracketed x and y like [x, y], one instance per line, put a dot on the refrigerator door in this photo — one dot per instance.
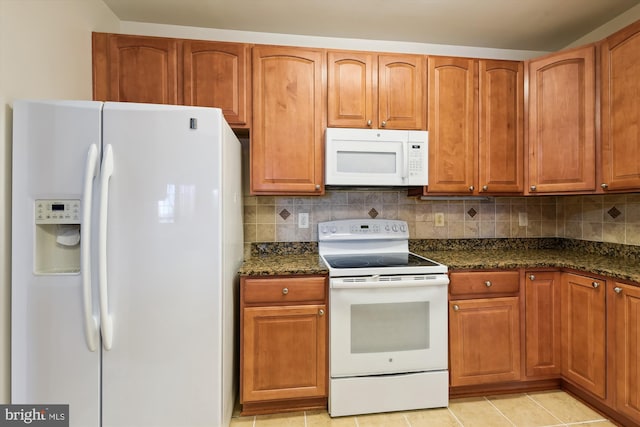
[164, 271]
[51, 358]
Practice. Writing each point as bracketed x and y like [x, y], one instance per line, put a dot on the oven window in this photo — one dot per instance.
[366, 162]
[386, 327]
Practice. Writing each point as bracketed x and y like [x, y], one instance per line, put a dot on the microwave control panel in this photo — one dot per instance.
[417, 163]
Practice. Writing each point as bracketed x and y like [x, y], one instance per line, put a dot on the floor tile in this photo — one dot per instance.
[441, 417]
[523, 411]
[393, 419]
[292, 419]
[477, 412]
[322, 419]
[565, 407]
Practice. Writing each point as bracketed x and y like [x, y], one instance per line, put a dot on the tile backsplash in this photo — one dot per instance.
[607, 218]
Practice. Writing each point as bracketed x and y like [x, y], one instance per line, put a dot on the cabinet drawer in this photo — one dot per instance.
[284, 290]
[485, 283]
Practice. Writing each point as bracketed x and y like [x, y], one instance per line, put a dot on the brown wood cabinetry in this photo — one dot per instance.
[620, 110]
[160, 70]
[484, 331]
[289, 99]
[562, 101]
[367, 90]
[135, 69]
[583, 332]
[624, 319]
[475, 141]
[543, 350]
[217, 74]
[283, 343]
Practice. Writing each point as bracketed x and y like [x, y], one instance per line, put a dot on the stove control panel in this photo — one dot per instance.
[356, 229]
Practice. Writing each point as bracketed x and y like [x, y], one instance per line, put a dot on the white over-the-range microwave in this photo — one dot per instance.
[376, 157]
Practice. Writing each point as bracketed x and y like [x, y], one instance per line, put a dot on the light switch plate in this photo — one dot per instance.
[303, 220]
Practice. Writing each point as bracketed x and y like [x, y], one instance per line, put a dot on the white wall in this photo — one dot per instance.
[45, 52]
[160, 30]
[619, 22]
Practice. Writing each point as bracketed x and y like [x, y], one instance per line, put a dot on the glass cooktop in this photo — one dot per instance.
[378, 260]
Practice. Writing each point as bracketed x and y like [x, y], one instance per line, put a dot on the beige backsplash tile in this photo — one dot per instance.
[577, 217]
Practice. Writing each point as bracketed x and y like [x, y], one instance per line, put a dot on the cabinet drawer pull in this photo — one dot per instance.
[456, 307]
[617, 289]
[285, 291]
[595, 285]
[532, 277]
[488, 284]
[321, 312]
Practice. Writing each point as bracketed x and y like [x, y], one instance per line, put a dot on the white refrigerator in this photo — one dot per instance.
[126, 241]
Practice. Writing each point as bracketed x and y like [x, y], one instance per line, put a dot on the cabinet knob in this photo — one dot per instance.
[617, 289]
[321, 312]
[488, 284]
[456, 307]
[369, 123]
[485, 188]
[317, 186]
[604, 186]
[532, 277]
[383, 124]
[471, 188]
[532, 188]
[595, 285]
[285, 291]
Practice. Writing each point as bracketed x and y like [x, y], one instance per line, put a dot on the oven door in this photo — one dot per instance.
[382, 325]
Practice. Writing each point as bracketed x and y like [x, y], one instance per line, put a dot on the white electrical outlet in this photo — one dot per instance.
[523, 221]
[439, 219]
[303, 220]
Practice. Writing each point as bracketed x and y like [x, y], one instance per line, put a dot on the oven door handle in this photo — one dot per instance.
[378, 282]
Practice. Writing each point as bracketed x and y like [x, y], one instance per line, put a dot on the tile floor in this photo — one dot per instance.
[548, 408]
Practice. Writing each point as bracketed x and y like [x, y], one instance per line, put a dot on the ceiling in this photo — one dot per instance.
[539, 25]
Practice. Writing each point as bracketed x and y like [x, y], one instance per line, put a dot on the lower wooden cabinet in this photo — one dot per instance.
[484, 331]
[624, 317]
[543, 356]
[283, 345]
[583, 332]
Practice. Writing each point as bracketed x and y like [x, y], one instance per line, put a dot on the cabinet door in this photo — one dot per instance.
[217, 75]
[288, 123]
[351, 93]
[543, 349]
[501, 136]
[621, 110]
[135, 69]
[626, 347]
[484, 340]
[583, 332]
[562, 122]
[401, 97]
[452, 125]
[284, 352]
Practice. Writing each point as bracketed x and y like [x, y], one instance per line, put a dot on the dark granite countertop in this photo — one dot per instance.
[614, 261]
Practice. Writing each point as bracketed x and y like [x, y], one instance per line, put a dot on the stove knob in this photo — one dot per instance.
[386, 227]
[403, 228]
[334, 229]
[395, 227]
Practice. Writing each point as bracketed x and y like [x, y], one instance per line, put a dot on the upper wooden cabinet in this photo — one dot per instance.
[217, 75]
[475, 141]
[452, 123]
[173, 71]
[368, 90]
[501, 122]
[289, 98]
[135, 69]
[620, 110]
[562, 101]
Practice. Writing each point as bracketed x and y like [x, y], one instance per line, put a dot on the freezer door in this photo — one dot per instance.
[164, 271]
[50, 355]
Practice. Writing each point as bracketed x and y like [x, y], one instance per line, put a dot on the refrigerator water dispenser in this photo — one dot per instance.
[57, 237]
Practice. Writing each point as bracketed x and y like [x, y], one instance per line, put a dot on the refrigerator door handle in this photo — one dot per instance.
[90, 322]
[106, 321]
